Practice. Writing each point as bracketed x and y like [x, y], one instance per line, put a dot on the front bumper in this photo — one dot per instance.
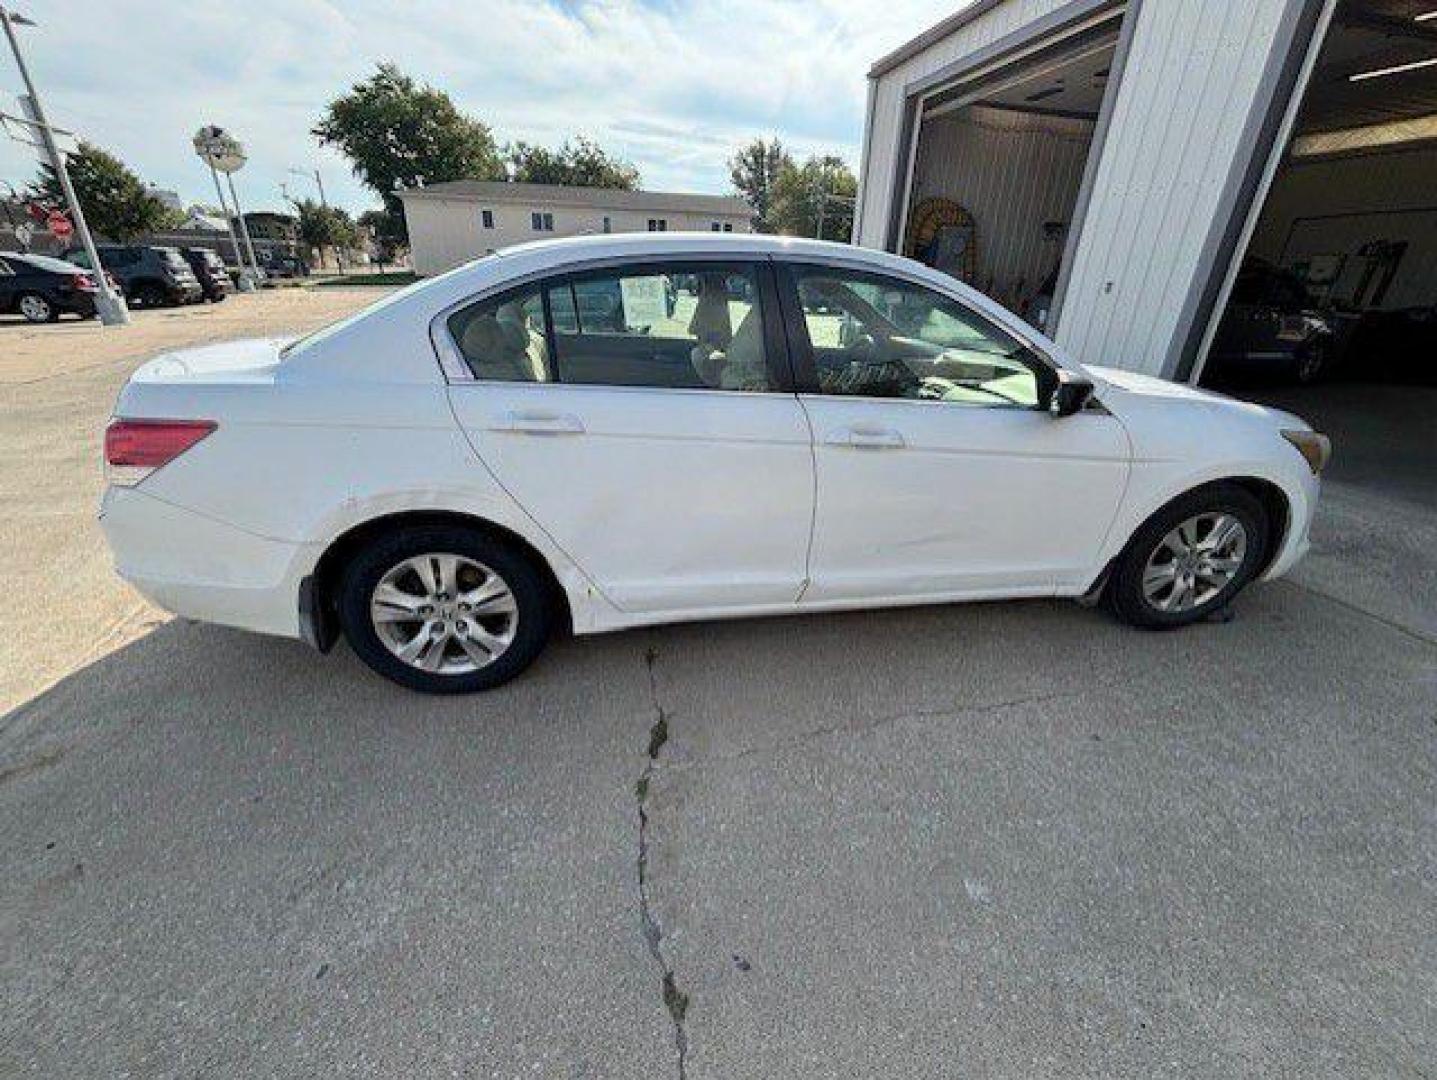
[204, 569]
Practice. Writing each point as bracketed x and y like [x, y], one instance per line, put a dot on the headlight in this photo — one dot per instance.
[1317, 449]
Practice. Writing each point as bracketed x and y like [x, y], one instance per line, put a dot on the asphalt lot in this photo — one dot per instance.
[995, 840]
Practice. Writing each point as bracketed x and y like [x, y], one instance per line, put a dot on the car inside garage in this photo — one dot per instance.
[999, 162]
[1333, 307]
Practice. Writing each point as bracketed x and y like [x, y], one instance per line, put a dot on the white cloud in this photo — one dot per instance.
[673, 87]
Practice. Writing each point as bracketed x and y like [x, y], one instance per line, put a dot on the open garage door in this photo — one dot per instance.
[999, 166]
[1333, 313]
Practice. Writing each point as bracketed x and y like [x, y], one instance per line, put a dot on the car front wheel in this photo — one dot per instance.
[444, 609]
[1190, 559]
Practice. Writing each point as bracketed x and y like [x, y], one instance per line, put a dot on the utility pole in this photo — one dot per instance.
[110, 307]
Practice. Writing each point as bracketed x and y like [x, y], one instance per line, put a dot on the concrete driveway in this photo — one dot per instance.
[996, 840]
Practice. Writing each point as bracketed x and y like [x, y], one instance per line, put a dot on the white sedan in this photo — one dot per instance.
[617, 431]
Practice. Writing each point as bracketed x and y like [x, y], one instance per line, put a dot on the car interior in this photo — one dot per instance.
[702, 328]
[918, 346]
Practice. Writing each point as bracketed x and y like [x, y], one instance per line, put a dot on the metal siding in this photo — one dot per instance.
[886, 125]
[1012, 174]
[1190, 86]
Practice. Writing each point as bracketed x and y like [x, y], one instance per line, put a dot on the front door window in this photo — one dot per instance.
[879, 337]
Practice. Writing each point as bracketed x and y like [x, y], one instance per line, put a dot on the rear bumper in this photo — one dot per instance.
[204, 569]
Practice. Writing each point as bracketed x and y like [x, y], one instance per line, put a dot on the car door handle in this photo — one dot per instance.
[540, 423]
[867, 438]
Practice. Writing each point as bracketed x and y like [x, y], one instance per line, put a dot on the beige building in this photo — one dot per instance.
[453, 222]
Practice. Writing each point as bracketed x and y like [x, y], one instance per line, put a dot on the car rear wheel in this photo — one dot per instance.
[38, 309]
[1190, 558]
[444, 609]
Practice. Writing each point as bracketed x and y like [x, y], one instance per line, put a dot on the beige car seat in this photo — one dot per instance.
[502, 346]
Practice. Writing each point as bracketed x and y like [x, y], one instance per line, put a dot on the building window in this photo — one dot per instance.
[728, 226]
[541, 222]
[608, 225]
[487, 217]
[714, 226]
[658, 224]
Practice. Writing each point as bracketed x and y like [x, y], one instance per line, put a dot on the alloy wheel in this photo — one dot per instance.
[35, 308]
[443, 613]
[1194, 562]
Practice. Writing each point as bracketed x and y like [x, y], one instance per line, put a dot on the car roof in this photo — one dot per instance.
[628, 245]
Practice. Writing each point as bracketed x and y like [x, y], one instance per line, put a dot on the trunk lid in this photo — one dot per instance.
[194, 383]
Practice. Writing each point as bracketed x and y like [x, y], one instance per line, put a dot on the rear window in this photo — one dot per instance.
[172, 257]
[43, 262]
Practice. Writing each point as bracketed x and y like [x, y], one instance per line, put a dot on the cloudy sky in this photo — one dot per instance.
[672, 86]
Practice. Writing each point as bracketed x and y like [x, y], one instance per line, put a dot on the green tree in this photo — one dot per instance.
[581, 163]
[325, 226]
[399, 133]
[116, 202]
[815, 197]
[387, 245]
[755, 170]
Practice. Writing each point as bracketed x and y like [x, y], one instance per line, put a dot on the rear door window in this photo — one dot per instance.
[676, 326]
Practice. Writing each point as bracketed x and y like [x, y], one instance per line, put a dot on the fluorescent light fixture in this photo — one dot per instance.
[1397, 69]
[1426, 16]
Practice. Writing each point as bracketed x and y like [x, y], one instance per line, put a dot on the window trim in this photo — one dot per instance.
[778, 356]
[801, 346]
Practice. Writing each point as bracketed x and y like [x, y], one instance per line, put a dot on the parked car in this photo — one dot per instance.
[149, 276]
[449, 476]
[1271, 327]
[283, 266]
[42, 288]
[209, 270]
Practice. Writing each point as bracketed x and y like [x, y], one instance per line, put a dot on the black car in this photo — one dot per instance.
[209, 270]
[42, 288]
[1271, 327]
[149, 276]
[283, 266]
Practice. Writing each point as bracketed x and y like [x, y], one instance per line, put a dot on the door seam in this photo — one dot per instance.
[813, 503]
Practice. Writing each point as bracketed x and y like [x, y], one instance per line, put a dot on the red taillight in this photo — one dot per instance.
[84, 283]
[135, 448]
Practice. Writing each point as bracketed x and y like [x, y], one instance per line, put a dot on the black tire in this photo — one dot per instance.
[37, 308]
[1125, 594]
[1311, 364]
[526, 581]
[151, 295]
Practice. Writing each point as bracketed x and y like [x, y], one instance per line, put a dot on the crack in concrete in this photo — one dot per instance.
[676, 1002]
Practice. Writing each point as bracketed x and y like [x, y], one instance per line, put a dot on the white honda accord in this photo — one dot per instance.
[615, 431]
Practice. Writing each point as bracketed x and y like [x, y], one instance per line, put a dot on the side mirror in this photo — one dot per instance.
[1070, 395]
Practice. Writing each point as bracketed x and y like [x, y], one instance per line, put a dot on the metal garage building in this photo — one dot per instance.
[1111, 165]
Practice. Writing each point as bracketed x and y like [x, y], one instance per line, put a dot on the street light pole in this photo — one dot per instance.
[338, 249]
[110, 308]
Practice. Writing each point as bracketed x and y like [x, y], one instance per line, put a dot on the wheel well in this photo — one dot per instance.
[331, 564]
[1274, 504]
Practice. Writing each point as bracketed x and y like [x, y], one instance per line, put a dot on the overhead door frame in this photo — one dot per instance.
[981, 66]
[1269, 132]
